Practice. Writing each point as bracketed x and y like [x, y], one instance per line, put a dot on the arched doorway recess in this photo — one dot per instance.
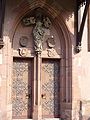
[44, 65]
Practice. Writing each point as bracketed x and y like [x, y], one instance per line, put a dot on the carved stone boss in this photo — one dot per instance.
[40, 22]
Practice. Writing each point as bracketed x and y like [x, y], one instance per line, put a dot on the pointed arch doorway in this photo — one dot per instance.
[37, 89]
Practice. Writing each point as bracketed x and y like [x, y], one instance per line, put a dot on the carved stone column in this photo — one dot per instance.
[38, 85]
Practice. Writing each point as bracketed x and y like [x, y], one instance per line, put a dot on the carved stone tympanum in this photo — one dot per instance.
[41, 22]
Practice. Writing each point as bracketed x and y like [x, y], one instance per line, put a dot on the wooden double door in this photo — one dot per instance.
[23, 88]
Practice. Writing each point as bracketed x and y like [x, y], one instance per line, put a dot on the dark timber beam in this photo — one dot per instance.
[80, 32]
[2, 12]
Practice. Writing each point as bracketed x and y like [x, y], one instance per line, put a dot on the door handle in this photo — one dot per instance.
[28, 96]
[43, 96]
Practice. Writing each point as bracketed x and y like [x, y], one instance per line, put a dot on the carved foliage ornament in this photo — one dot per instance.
[28, 21]
[41, 22]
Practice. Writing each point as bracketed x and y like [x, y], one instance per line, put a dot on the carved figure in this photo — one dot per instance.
[38, 34]
[41, 22]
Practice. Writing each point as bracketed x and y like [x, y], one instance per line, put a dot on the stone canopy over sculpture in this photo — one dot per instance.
[41, 22]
